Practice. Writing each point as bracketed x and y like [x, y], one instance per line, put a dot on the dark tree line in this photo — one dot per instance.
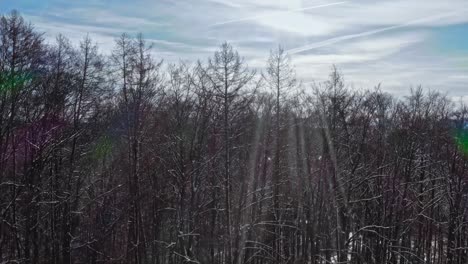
[125, 159]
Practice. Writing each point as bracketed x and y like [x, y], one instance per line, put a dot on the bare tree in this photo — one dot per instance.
[280, 77]
[229, 76]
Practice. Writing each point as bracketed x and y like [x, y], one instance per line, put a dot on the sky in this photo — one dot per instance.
[399, 44]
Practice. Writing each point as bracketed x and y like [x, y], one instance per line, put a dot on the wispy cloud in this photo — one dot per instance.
[226, 3]
[269, 15]
[335, 40]
[396, 42]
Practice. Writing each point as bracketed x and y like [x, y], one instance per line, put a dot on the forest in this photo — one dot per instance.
[120, 157]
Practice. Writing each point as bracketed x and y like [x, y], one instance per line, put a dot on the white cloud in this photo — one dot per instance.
[267, 16]
[339, 39]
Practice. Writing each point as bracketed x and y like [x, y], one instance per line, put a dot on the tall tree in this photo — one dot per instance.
[230, 76]
[280, 77]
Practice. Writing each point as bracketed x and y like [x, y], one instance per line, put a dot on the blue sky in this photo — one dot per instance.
[399, 43]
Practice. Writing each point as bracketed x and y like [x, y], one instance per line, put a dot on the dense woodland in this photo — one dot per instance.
[122, 158]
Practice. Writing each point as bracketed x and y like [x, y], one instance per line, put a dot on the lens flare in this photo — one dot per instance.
[103, 148]
[11, 82]
[461, 138]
